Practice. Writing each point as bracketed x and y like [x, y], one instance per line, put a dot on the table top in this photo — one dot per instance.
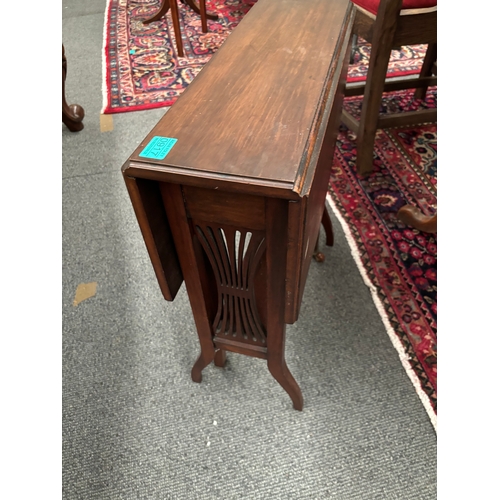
[252, 114]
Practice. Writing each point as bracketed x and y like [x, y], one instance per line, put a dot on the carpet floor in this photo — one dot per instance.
[134, 424]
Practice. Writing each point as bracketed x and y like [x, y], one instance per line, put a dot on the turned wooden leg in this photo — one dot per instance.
[165, 5]
[177, 27]
[276, 228]
[72, 114]
[426, 70]
[413, 217]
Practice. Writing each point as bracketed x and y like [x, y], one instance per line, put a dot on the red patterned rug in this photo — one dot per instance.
[141, 68]
[398, 263]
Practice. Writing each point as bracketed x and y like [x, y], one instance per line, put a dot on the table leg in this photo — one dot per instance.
[326, 222]
[276, 236]
[234, 275]
[195, 276]
[220, 358]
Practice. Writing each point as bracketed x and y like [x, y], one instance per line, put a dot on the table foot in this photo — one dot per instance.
[279, 370]
[202, 362]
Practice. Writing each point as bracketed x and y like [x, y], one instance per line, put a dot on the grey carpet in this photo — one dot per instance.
[134, 424]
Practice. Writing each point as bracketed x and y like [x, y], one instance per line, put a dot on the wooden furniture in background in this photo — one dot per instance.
[413, 217]
[72, 114]
[172, 4]
[234, 208]
[389, 24]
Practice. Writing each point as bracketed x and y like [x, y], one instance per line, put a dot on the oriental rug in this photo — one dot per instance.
[141, 68]
[398, 263]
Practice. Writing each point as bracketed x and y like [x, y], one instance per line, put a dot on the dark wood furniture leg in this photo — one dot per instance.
[377, 72]
[413, 217]
[427, 68]
[220, 358]
[195, 276]
[72, 114]
[177, 27]
[326, 222]
[201, 10]
[203, 15]
[237, 292]
[276, 248]
[198, 10]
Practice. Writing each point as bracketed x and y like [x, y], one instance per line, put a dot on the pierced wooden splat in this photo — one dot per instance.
[234, 255]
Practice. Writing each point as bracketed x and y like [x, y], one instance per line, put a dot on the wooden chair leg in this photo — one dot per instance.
[382, 43]
[426, 70]
[377, 71]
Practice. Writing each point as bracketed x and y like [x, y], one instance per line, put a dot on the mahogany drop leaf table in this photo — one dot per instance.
[229, 187]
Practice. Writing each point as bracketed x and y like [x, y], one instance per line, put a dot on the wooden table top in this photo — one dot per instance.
[251, 116]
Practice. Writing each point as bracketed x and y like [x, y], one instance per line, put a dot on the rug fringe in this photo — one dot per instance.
[104, 59]
[396, 342]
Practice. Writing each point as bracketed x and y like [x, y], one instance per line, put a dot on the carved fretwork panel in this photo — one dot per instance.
[234, 255]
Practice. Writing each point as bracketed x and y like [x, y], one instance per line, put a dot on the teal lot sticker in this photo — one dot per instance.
[158, 147]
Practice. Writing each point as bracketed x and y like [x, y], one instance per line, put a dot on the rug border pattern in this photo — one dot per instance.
[385, 314]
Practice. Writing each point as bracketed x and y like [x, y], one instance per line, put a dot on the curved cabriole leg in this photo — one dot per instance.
[72, 114]
[279, 370]
[413, 217]
[276, 236]
[165, 5]
[204, 359]
[198, 10]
